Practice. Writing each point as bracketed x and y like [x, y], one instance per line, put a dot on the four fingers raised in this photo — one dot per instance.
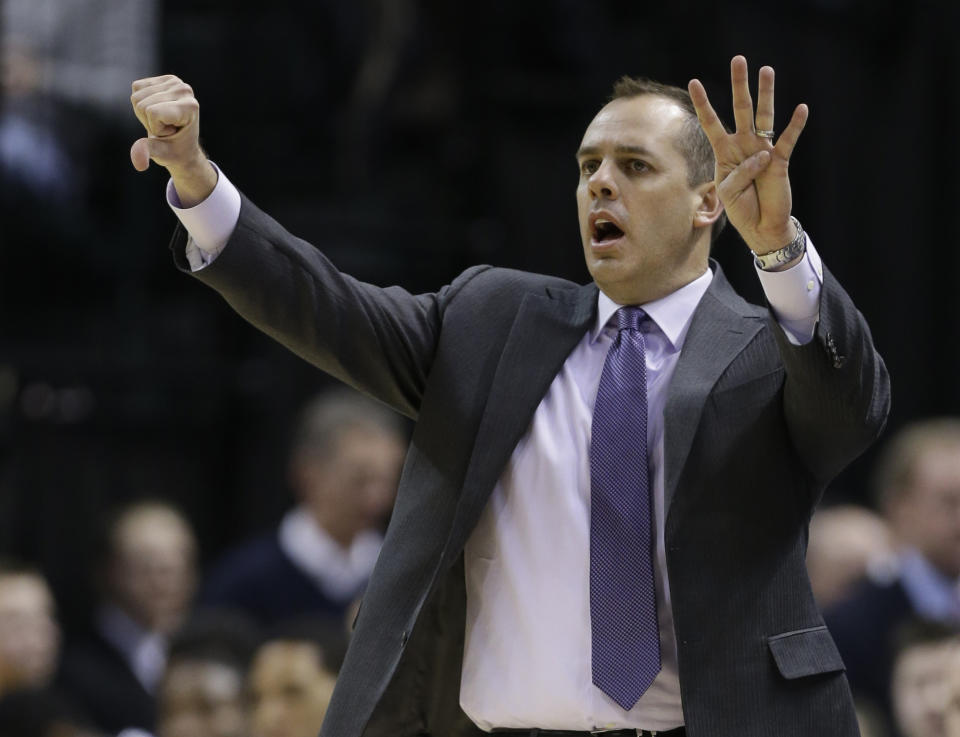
[747, 122]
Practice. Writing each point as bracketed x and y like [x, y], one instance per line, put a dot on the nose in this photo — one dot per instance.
[603, 183]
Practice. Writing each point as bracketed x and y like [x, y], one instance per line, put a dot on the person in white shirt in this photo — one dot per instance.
[343, 468]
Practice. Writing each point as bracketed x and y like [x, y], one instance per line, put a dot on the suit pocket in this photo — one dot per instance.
[805, 652]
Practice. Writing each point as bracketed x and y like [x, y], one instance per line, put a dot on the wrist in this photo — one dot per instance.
[776, 241]
[786, 256]
[193, 181]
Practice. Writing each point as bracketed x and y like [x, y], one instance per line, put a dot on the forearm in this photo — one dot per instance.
[194, 181]
[837, 390]
[380, 341]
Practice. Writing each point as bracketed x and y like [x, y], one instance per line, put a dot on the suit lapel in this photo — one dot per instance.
[544, 332]
[718, 333]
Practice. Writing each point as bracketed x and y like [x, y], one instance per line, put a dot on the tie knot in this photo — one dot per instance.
[629, 318]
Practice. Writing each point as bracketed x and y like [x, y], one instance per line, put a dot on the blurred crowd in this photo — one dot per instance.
[888, 582]
[249, 648]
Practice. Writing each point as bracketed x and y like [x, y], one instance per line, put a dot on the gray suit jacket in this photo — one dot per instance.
[755, 428]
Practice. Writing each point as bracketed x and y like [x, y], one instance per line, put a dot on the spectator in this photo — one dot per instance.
[847, 542]
[292, 678]
[344, 466]
[29, 634]
[917, 482]
[919, 683]
[147, 578]
[202, 691]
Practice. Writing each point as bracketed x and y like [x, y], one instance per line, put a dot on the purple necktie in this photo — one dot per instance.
[623, 597]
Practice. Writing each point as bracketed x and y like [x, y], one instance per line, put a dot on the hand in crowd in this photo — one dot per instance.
[170, 113]
[751, 171]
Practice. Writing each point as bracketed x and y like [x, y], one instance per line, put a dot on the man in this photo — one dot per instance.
[29, 634]
[147, 581]
[344, 466]
[292, 677]
[848, 543]
[917, 485]
[519, 588]
[203, 689]
[920, 686]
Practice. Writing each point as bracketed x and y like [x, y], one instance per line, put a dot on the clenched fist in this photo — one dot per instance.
[170, 114]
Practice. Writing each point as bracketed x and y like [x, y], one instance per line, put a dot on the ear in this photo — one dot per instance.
[708, 205]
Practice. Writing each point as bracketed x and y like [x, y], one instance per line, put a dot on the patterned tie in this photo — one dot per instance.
[623, 598]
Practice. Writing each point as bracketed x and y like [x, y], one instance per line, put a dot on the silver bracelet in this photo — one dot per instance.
[781, 256]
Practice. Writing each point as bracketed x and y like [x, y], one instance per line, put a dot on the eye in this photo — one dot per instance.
[589, 166]
[639, 166]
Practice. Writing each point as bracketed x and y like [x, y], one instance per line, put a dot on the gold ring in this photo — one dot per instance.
[764, 134]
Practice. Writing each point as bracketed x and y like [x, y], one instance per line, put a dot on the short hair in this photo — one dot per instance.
[220, 636]
[327, 417]
[920, 632]
[326, 635]
[895, 470]
[692, 141]
[37, 712]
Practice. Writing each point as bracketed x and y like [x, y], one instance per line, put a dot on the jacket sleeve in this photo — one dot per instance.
[837, 390]
[378, 340]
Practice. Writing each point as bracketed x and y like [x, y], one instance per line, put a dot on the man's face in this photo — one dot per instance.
[29, 636]
[201, 699]
[633, 176]
[919, 689]
[353, 487]
[152, 575]
[928, 515]
[289, 690]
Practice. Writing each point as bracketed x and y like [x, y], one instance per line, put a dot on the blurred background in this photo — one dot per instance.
[410, 139]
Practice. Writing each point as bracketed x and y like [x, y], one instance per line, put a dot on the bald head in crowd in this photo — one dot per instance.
[918, 486]
[151, 565]
[29, 635]
[846, 542]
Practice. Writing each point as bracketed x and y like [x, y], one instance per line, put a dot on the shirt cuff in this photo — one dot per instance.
[794, 295]
[210, 223]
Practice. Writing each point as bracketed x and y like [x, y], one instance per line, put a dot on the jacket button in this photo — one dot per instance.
[403, 638]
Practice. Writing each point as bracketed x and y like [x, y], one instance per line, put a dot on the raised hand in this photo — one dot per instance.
[170, 114]
[751, 170]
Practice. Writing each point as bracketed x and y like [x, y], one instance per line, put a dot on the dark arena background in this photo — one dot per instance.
[409, 140]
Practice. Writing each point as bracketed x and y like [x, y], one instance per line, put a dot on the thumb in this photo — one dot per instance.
[145, 149]
[742, 176]
[140, 154]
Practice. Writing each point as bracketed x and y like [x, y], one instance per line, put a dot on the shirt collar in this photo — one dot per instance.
[933, 595]
[672, 314]
[339, 571]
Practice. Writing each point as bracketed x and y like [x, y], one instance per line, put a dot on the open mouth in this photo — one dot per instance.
[605, 231]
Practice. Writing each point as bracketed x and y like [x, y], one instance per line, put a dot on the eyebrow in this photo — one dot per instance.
[625, 149]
